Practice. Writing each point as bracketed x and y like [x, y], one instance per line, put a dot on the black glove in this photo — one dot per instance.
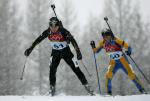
[28, 51]
[79, 55]
[92, 44]
[129, 51]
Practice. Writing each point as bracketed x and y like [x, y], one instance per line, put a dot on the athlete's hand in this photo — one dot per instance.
[92, 43]
[28, 51]
[129, 51]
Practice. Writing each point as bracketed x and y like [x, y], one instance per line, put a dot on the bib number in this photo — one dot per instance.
[59, 45]
[56, 46]
[116, 55]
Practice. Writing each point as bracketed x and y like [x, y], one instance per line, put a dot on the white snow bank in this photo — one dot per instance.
[76, 98]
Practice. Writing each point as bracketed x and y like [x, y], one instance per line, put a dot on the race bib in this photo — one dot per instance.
[115, 55]
[75, 61]
[59, 45]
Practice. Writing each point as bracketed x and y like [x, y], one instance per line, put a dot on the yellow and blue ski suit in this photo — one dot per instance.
[118, 60]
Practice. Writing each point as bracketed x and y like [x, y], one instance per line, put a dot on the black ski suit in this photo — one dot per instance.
[61, 50]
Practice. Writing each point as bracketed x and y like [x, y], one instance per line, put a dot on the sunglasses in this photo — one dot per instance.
[53, 24]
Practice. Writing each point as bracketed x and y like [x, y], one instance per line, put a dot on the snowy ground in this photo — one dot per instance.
[76, 98]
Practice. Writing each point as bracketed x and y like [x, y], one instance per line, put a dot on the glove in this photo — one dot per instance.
[79, 55]
[92, 44]
[28, 51]
[129, 51]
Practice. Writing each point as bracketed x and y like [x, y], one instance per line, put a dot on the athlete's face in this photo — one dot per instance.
[54, 28]
[107, 37]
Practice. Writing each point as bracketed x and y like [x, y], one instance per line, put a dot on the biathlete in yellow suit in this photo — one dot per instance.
[118, 60]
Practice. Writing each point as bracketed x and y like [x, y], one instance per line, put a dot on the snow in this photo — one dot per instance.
[62, 97]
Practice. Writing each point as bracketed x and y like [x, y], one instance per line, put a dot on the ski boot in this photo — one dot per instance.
[52, 90]
[109, 93]
[143, 91]
[89, 90]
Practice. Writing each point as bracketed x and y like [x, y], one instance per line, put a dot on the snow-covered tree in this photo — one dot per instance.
[9, 46]
[37, 18]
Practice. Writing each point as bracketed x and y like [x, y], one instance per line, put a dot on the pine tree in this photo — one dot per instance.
[37, 21]
[9, 47]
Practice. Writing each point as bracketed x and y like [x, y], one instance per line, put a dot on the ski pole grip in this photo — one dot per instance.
[53, 6]
[92, 44]
[105, 18]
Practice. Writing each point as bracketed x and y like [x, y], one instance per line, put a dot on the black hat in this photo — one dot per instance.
[107, 32]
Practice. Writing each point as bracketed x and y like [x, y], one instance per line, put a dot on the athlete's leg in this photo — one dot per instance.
[129, 71]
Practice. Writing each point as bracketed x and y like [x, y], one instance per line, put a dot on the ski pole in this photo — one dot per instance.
[85, 68]
[139, 69]
[98, 80]
[53, 8]
[22, 74]
[106, 19]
